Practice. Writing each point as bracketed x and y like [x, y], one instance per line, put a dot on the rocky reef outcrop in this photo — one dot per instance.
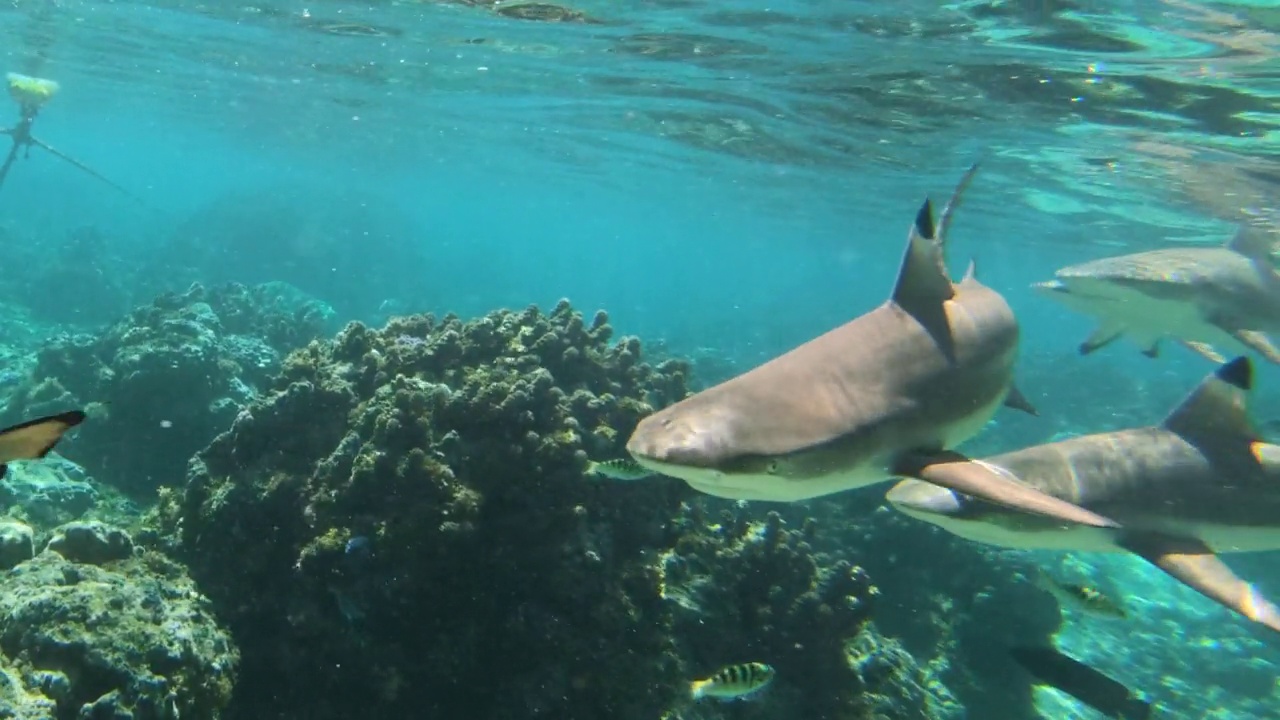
[89, 628]
[161, 383]
[403, 522]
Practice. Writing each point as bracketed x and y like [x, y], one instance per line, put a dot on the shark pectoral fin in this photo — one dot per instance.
[1016, 400]
[34, 439]
[1101, 337]
[1152, 350]
[1193, 563]
[1218, 406]
[1258, 342]
[1204, 350]
[987, 482]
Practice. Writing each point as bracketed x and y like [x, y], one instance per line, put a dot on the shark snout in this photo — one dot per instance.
[672, 439]
[917, 497]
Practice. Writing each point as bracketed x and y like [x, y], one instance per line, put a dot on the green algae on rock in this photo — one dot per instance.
[493, 580]
[129, 640]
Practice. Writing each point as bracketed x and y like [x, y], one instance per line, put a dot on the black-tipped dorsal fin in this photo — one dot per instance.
[1253, 242]
[944, 219]
[923, 284]
[1219, 405]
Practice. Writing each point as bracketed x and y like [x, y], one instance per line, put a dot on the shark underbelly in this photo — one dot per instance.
[1149, 316]
[871, 470]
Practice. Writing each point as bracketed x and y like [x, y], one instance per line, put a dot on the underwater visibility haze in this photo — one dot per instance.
[668, 359]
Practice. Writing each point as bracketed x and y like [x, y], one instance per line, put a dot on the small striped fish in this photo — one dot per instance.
[1081, 597]
[733, 682]
[620, 469]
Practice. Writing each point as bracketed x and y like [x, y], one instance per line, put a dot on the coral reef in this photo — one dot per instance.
[161, 383]
[404, 521]
[754, 590]
[128, 640]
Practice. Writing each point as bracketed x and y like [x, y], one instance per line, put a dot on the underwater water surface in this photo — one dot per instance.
[727, 180]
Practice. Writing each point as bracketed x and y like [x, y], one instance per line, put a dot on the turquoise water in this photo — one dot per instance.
[731, 178]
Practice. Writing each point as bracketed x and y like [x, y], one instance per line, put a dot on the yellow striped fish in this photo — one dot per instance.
[733, 682]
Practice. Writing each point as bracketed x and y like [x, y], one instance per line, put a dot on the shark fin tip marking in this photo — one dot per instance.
[1218, 406]
[1238, 372]
[924, 220]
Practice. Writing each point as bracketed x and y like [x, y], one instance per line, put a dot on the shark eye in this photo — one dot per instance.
[772, 467]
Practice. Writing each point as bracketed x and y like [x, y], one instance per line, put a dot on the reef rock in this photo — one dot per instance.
[402, 528]
[92, 542]
[133, 642]
[160, 384]
[48, 492]
[17, 543]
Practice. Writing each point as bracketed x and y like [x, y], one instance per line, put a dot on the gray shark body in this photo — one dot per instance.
[880, 396]
[1200, 483]
[1208, 299]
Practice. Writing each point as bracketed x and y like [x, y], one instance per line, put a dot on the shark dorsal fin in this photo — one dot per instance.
[1252, 242]
[1219, 405]
[923, 284]
[971, 274]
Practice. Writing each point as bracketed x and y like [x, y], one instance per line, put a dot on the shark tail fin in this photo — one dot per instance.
[1219, 405]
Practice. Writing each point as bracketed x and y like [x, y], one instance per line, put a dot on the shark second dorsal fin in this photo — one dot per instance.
[1219, 405]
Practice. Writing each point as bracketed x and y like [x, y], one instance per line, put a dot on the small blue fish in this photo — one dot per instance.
[359, 546]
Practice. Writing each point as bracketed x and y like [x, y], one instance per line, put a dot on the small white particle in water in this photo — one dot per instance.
[482, 68]
[166, 423]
